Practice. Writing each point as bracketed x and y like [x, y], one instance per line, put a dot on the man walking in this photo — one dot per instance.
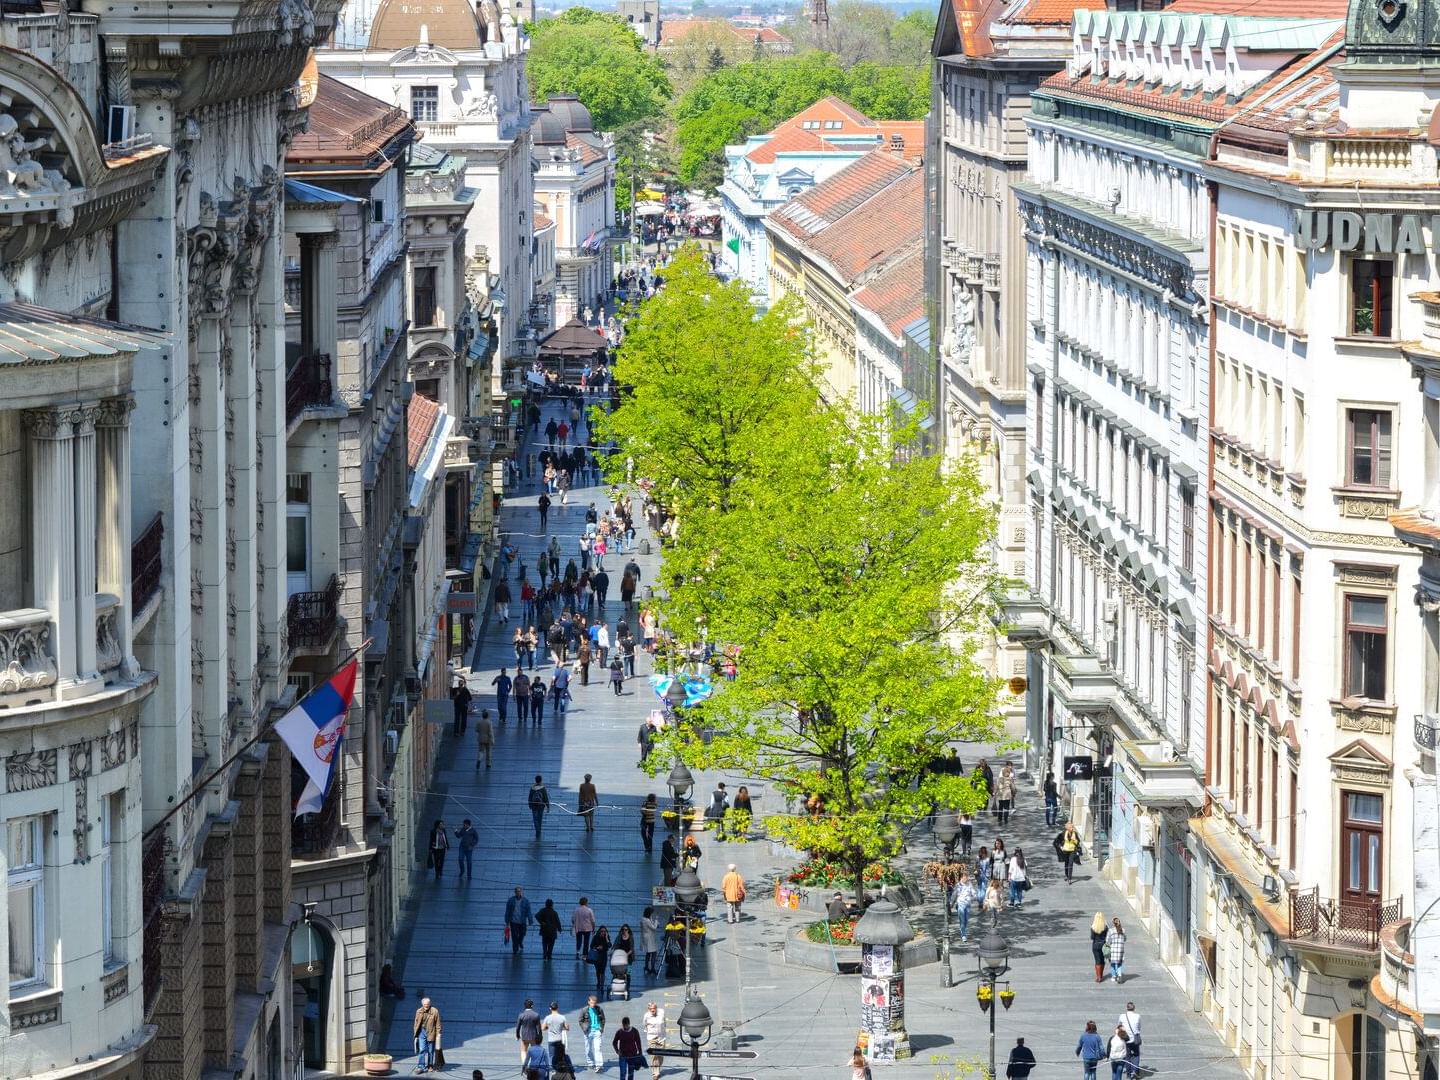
[547, 919]
[484, 738]
[646, 739]
[1005, 793]
[592, 1023]
[527, 1028]
[543, 505]
[600, 582]
[627, 1048]
[469, 840]
[654, 1026]
[517, 917]
[460, 696]
[554, 1027]
[539, 800]
[502, 684]
[427, 1035]
[1130, 1024]
[1022, 1060]
[732, 887]
[589, 799]
[582, 925]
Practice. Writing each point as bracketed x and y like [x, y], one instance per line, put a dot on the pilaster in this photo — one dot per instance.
[112, 427]
[208, 524]
[241, 509]
[86, 486]
[52, 530]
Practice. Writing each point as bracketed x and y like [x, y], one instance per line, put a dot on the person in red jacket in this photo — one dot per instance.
[627, 1048]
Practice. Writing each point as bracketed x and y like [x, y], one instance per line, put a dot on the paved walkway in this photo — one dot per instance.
[801, 1022]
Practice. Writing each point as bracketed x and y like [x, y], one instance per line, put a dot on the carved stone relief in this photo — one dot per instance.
[30, 770]
[112, 749]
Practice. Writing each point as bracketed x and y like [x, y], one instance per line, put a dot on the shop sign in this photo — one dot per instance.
[1371, 234]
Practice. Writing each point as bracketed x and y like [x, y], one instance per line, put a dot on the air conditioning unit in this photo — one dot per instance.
[120, 126]
[1111, 611]
[392, 743]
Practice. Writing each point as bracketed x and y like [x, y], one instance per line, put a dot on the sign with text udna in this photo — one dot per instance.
[1370, 233]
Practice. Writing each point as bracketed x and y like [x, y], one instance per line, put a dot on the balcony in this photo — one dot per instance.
[145, 564]
[154, 887]
[458, 457]
[1426, 727]
[313, 836]
[307, 385]
[1158, 776]
[27, 653]
[312, 617]
[1345, 925]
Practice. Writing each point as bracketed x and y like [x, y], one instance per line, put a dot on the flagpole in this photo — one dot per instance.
[264, 730]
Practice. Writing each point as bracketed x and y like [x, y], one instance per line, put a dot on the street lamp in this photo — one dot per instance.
[675, 695]
[946, 830]
[680, 781]
[688, 890]
[993, 957]
[695, 1030]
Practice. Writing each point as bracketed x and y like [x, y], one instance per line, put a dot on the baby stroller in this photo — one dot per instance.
[619, 975]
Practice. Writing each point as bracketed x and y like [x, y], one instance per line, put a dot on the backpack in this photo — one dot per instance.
[537, 796]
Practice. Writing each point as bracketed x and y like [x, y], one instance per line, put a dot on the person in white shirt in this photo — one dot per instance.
[1118, 1052]
[654, 1027]
[1130, 1024]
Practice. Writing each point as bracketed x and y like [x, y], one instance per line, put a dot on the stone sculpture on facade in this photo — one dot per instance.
[485, 106]
[18, 170]
[959, 340]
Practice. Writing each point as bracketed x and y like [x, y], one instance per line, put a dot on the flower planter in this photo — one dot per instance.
[816, 899]
[800, 951]
[378, 1064]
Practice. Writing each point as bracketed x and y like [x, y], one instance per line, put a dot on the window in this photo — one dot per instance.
[297, 532]
[1361, 843]
[112, 884]
[25, 888]
[422, 301]
[1368, 444]
[1187, 529]
[1365, 633]
[425, 103]
[1371, 288]
[378, 206]
[1295, 627]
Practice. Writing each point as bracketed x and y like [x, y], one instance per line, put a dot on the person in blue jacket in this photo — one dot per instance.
[1090, 1050]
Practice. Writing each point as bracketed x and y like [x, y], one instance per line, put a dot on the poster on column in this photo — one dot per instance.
[877, 961]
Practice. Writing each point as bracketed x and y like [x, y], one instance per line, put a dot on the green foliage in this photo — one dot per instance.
[853, 579]
[733, 102]
[597, 57]
[713, 384]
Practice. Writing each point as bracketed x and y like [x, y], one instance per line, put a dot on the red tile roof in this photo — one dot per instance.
[793, 135]
[674, 31]
[912, 135]
[897, 293]
[420, 420]
[788, 139]
[589, 153]
[542, 221]
[826, 203]
[1053, 12]
[873, 233]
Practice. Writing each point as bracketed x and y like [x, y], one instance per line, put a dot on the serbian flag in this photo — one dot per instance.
[313, 730]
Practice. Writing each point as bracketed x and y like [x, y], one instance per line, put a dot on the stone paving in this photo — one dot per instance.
[801, 1022]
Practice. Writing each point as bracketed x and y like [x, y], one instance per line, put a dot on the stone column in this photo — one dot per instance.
[86, 487]
[319, 291]
[240, 496]
[112, 426]
[210, 531]
[52, 530]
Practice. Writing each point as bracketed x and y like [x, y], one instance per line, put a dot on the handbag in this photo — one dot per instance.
[439, 1058]
[1105, 949]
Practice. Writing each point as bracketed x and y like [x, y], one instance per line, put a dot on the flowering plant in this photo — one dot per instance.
[984, 992]
[822, 873]
[840, 932]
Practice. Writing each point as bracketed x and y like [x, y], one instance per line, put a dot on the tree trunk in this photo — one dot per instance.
[857, 871]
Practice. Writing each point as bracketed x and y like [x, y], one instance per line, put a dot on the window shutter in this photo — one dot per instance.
[1382, 449]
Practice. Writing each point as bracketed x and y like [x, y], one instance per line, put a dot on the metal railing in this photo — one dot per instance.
[316, 834]
[311, 617]
[307, 384]
[154, 887]
[1350, 924]
[145, 563]
[1426, 726]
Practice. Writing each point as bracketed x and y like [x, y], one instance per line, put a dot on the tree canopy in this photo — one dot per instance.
[841, 570]
[598, 58]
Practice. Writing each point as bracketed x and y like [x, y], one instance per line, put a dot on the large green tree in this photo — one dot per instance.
[712, 385]
[598, 58]
[851, 576]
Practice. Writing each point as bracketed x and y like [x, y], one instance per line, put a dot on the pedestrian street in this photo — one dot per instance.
[800, 1022]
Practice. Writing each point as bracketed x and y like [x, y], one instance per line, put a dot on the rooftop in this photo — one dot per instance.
[349, 129]
[888, 224]
[826, 203]
[833, 126]
[451, 24]
[673, 32]
[420, 419]
[32, 336]
[896, 294]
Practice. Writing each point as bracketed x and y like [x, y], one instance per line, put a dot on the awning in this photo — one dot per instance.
[430, 462]
[32, 335]
[478, 345]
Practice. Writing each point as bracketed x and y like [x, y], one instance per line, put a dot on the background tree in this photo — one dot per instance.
[703, 139]
[598, 58]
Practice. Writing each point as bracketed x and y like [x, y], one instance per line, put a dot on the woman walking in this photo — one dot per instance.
[1052, 800]
[1018, 877]
[994, 901]
[650, 926]
[964, 901]
[518, 644]
[617, 676]
[1117, 951]
[1117, 1053]
[983, 866]
[1067, 849]
[1098, 947]
[599, 958]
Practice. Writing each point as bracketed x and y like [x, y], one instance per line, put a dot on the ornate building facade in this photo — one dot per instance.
[575, 189]
[458, 71]
[1117, 221]
[988, 59]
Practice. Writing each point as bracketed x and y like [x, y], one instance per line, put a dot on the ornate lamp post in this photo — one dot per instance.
[688, 890]
[994, 961]
[680, 781]
[675, 695]
[695, 1030]
[946, 830]
[881, 931]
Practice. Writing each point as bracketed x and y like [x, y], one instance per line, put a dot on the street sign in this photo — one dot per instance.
[660, 1051]
[747, 1054]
